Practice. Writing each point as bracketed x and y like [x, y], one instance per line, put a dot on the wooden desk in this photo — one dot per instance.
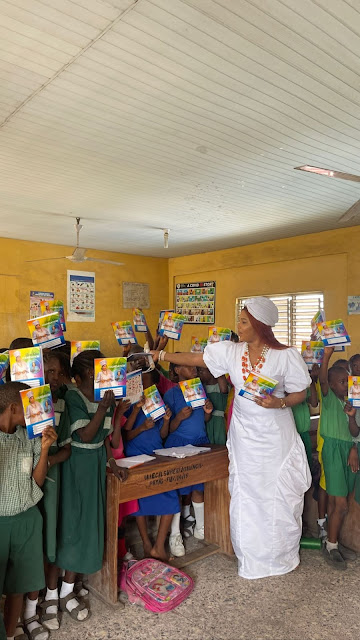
[164, 474]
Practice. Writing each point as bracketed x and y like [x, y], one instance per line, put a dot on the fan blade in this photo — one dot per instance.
[351, 213]
[329, 173]
[118, 264]
[78, 254]
[43, 259]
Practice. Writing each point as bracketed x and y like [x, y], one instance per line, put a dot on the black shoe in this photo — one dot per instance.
[347, 554]
[334, 558]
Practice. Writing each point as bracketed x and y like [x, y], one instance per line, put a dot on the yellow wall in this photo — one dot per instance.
[17, 278]
[328, 262]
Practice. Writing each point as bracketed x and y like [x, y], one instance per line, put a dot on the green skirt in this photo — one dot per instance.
[82, 511]
[340, 480]
[216, 430]
[49, 507]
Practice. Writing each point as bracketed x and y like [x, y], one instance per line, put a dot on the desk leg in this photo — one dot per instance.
[217, 520]
[104, 583]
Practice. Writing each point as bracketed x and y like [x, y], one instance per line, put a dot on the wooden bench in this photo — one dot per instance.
[164, 474]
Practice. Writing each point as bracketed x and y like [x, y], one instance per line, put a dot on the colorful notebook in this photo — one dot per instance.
[38, 409]
[139, 321]
[218, 334]
[198, 344]
[124, 333]
[161, 318]
[109, 375]
[312, 352]
[193, 392]
[26, 365]
[46, 331]
[78, 346]
[4, 363]
[354, 391]
[35, 299]
[172, 325]
[333, 332]
[257, 385]
[54, 306]
[154, 406]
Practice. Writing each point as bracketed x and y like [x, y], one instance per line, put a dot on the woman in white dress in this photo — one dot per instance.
[268, 470]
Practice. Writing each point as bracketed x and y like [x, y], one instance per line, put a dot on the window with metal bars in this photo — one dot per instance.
[295, 313]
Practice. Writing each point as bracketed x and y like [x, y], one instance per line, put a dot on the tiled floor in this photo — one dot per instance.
[312, 603]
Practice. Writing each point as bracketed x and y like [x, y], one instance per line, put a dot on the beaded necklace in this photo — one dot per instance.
[246, 364]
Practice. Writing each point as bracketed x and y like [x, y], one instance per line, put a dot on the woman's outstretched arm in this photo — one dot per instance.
[186, 359]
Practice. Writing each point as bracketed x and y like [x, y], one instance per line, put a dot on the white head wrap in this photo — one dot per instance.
[30, 394]
[35, 323]
[263, 309]
[78, 344]
[17, 354]
[103, 363]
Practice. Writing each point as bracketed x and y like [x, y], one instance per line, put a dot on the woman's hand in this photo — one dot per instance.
[107, 400]
[119, 472]
[314, 373]
[268, 402]
[155, 355]
[353, 460]
[122, 407]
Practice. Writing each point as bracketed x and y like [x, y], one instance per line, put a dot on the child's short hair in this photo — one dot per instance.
[340, 362]
[354, 357]
[85, 361]
[9, 394]
[335, 371]
[21, 343]
[61, 357]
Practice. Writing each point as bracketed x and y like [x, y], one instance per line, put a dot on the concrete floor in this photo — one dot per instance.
[312, 603]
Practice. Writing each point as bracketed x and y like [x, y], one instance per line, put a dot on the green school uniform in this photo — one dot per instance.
[334, 428]
[216, 427]
[83, 488]
[50, 503]
[301, 413]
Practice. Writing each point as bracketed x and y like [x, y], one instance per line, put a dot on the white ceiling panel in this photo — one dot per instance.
[141, 115]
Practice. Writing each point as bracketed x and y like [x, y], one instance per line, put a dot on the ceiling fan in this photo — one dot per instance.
[78, 254]
[355, 208]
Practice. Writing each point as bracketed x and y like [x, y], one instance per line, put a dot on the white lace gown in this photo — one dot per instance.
[268, 470]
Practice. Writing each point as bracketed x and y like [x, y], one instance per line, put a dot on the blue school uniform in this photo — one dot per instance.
[190, 431]
[146, 442]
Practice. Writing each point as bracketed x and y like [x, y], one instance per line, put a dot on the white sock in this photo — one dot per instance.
[175, 525]
[52, 594]
[29, 612]
[10, 637]
[321, 522]
[66, 588]
[186, 512]
[331, 545]
[199, 514]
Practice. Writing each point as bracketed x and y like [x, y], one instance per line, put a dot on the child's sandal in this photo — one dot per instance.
[78, 586]
[73, 613]
[44, 616]
[35, 632]
[23, 635]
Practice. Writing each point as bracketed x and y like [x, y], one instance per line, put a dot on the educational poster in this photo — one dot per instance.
[193, 392]
[171, 325]
[26, 365]
[139, 321]
[134, 386]
[38, 409]
[80, 296]
[354, 391]
[124, 333]
[136, 294]
[78, 346]
[46, 331]
[54, 306]
[256, 385]
[218, 334]
[109, 375]
[35, 298]
[353, 305]
[154, 406]
[196, 302]
[4, 363]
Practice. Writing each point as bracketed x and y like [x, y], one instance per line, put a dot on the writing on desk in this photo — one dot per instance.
[172, 472]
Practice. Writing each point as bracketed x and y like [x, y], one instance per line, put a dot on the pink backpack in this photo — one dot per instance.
[154, 585]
